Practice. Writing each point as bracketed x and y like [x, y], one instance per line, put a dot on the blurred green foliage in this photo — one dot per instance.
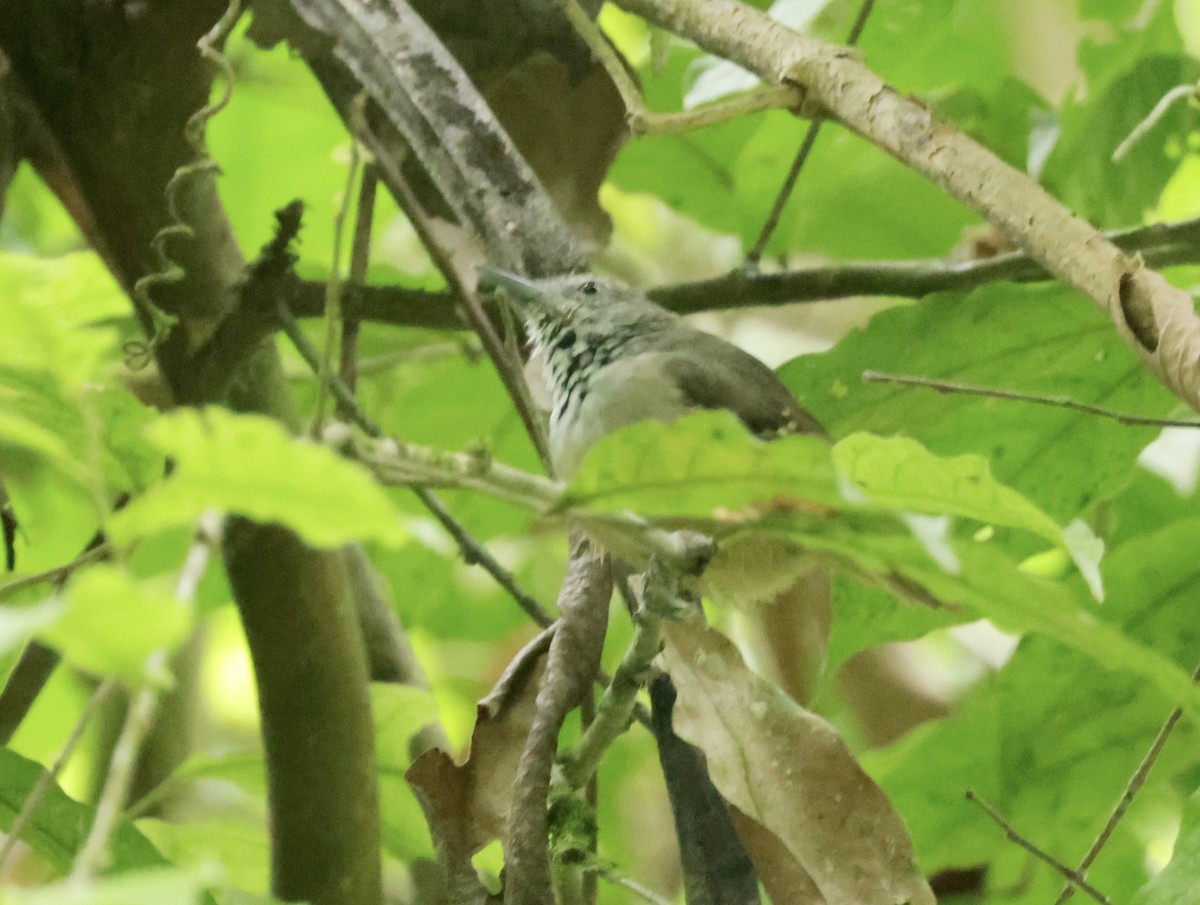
[1048, 736]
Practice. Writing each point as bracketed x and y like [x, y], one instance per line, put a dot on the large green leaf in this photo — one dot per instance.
[866, 615]
[60, 824]
[1040, 339]
[1063, 734]
[901, 473]
[988, 582]
[239, 848]
[702, 463]
[248, 465]
[56, 314]
[919, 47]
[110, 623]
[707, 465]
[1121, 32]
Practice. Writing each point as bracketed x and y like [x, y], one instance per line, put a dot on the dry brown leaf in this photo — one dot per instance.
[466, 803]
[788, 770]
[782, 876]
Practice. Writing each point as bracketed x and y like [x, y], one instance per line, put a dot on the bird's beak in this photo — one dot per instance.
[529, 296]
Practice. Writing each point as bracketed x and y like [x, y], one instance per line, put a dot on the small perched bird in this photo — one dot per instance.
[612, 357]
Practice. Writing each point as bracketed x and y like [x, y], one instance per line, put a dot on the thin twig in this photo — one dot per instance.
[360, 256]
[509, 368]
[1160, 244]
[34, 798]
[473, 551]
[810, 138]
[1131, 790]
[642, 892]
[1013, 836]
[409, 464]
[1168, 100]
[142, 711]
[57, 574]
[616, 707]
[333, 289]
[1058, 401]
[643, 121]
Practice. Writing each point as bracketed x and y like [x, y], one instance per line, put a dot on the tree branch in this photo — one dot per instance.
[1160, 245]
[571, 666]
[1157, 320]
[141, 81]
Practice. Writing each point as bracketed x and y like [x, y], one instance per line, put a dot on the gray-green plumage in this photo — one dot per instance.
[612, 357]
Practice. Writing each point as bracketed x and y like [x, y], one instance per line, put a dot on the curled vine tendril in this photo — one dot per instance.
[138, 353]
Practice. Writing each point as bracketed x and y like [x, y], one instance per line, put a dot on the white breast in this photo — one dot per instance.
[629, 390]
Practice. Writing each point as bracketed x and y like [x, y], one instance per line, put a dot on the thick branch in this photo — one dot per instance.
[422, 94]
[1156, 319]
[312, 685]
[115, 117]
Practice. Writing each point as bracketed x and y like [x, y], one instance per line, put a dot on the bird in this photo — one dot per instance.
[611, 357]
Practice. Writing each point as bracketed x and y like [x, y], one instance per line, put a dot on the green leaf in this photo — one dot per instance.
[989, 583]
[246, 771]
[400, 711]
[964, 752]
[1177, 885]
[707, 464]
[248, 465]
[1002, 120]
[111, 623]
[57, 441]
[698, 465]
[1051, 739]
[1119, 33]
[53, 314]
[922, 46]
[1081, 171]
[240, 848]
[901, 473]
[60, 824]
[1041, 339]
[865, 616]
[855, 201]
[162, 886]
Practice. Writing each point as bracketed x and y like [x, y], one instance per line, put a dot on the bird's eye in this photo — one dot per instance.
[589, 288]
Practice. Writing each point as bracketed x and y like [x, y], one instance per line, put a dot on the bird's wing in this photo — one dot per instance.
[732, 379]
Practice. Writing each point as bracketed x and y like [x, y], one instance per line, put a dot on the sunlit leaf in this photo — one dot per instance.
[161, 886]
[248, 465]
[701, 463]
[60, 824]
[1040, 339]
[1176, 885]
[110, 623]
[240, 849]
[400, 712]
